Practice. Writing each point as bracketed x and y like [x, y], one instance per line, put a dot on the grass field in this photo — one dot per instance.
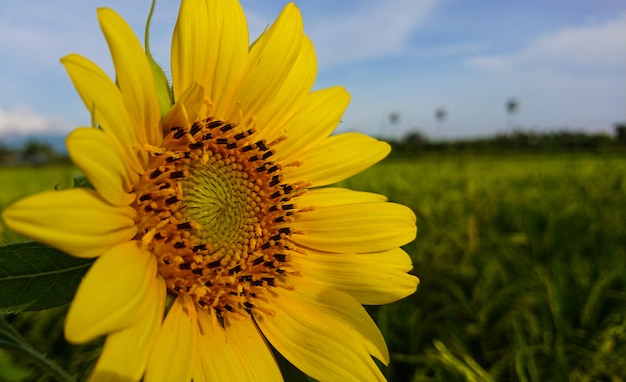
[18, 182]
[522, 263]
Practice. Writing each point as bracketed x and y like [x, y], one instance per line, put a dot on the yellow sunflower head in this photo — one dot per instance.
[217, 200]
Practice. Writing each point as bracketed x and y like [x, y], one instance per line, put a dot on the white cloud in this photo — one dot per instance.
[453, 49]
[570, 78]
[587, 49]
[375, 30]
[23, 120]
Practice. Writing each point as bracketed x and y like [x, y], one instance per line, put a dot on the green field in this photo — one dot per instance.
[18, 182]
[522, 262]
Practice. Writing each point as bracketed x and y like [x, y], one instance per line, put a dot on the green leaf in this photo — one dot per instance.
[35, 277]
[10, 339]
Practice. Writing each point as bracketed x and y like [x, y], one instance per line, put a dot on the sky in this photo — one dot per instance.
[562, 61]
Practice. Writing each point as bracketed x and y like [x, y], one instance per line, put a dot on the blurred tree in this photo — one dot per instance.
[394, 117]
[415, 139]
[5, 153]
[440, 115]
[620, 133]
[38, 153]
[511, 105]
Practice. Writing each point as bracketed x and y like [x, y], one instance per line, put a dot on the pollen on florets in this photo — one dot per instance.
[215, 212]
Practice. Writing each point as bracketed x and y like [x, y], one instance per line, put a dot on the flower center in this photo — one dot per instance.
[222, 201]
[213, 209]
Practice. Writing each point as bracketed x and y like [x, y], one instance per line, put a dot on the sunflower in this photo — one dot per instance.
[215, 237]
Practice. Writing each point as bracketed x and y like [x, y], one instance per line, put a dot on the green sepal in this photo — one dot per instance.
[35, 277]
[81, 181]
[165, 95]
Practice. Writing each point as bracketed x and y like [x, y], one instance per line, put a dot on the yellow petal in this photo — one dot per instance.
[191, 53]
[355, 228]
[318, 117]
[125, 352]
[94, 153]
[369, 282]
[336, 158]
[252, 350]
[112, 294]
[395, 258]
[323, 332]
[269, 63]
[332, 196]
[217, 359]
[235, 353]
[173, 356]
[210, 46]
[134, 77]
[104, 100]
[75, 221]
[186, 108]
[271, 119]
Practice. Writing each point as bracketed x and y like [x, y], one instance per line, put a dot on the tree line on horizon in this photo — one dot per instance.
[34, 152]
[517, 140]
[37, 153]
[514, 138]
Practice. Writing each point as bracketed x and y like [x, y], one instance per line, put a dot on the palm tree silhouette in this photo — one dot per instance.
[440, 116]
[511, 105]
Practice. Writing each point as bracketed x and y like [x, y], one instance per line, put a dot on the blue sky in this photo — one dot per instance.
[564, 61]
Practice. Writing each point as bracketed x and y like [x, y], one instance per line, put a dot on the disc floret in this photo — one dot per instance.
[214, 210]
